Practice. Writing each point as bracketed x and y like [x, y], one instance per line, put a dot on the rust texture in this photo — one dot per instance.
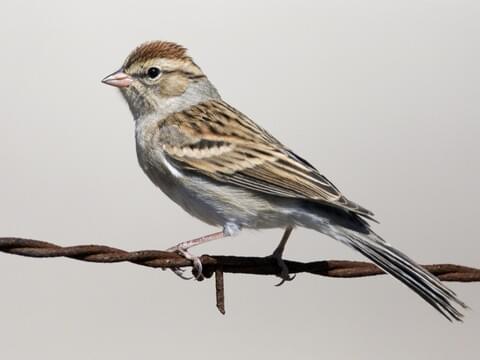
[218, 265]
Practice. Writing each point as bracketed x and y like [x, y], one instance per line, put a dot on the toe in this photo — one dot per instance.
[197, 264]
[197, 268]
[283, 274]
[180, 273]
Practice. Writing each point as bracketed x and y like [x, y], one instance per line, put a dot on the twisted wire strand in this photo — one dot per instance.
[228, 264]
[218, 265]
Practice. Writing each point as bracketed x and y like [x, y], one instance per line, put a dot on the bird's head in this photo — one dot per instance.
[159, 76]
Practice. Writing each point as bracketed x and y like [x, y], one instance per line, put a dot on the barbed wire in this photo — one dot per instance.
[219, 264]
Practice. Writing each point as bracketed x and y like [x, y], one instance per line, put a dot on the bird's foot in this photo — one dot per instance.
[196, 262]
[284, 274]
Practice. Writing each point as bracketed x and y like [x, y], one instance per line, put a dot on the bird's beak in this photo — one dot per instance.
[118, 79]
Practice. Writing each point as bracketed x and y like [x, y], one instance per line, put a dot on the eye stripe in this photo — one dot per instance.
[189, 74]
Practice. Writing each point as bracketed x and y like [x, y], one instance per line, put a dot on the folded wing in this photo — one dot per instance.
[216, 141]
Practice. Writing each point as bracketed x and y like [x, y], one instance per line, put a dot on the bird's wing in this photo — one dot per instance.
[215, 140]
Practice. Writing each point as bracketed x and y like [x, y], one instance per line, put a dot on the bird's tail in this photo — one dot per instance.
[397, 264]
[404, 269]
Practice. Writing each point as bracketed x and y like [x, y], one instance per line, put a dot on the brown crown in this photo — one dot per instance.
[157, 49]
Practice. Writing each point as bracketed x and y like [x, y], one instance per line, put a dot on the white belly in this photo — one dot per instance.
[215, 203]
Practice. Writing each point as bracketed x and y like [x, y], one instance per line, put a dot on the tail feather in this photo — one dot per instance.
[403, 268]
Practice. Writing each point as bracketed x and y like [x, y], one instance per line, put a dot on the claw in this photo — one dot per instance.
[277, 255]
[288, 278]
[197, 264]
[179, 272]
[183, 247]
[284, 273]
[197, 268]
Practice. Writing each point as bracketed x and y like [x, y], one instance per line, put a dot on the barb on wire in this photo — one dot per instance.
[216, 264]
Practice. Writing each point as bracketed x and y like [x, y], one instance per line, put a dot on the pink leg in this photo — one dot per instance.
[183, 247]
[198, 241]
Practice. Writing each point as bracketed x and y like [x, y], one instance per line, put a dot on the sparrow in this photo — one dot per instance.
[229, 172]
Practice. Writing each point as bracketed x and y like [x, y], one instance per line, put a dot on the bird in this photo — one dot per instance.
[226, 170]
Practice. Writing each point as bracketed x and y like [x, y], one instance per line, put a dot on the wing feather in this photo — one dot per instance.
[216, 141]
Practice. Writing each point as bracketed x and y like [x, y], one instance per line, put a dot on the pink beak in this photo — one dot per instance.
[118, 79]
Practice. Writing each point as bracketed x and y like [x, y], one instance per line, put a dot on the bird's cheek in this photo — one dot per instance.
[173, 85]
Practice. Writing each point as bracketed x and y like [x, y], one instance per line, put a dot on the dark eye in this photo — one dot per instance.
[153, 72]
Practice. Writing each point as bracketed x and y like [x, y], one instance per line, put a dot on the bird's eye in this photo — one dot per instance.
[153, 72]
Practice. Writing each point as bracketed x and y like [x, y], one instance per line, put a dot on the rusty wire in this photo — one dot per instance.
[216, 264]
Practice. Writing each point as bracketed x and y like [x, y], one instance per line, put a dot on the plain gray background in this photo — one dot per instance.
[382, 96]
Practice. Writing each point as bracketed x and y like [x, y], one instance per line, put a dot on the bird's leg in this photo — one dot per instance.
[182, 249]
[277, 255]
